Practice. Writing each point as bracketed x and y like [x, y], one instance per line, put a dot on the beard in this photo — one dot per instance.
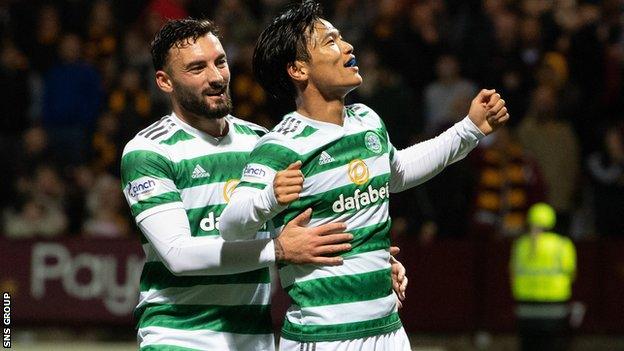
[196, 103]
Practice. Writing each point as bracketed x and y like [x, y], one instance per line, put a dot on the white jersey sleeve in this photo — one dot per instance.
[169, 233]
[420, 162]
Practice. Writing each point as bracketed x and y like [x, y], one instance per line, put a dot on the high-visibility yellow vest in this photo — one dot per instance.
[542, 268]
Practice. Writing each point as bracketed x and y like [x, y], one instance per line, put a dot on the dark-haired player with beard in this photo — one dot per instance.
[197, 292]
[349, 169]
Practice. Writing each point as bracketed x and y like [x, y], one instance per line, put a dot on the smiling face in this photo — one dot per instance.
[332, 68]
[197, 76]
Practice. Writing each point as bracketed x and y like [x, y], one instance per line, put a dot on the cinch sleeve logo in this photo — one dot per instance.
[254, 171]
[141, 187]
[228, 189]
[358, 172]
[258, 173]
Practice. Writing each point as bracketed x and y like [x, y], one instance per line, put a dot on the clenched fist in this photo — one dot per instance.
[288, 184]
[488, 111]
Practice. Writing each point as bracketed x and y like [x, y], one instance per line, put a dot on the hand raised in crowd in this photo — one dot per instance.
[488, 111]
[288, 184]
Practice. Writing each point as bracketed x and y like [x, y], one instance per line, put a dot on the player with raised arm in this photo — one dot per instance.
[341, 165]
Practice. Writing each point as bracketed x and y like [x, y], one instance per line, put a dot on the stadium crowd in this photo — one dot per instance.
[76, 82]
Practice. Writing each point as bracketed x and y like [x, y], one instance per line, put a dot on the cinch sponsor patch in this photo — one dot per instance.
[142, 188]
[255, 172]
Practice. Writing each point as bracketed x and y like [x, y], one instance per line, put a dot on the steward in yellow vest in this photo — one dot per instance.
[542, 268]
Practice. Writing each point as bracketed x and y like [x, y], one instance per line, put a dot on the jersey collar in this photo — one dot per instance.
[201, 134]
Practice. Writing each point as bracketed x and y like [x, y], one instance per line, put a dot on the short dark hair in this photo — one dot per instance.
[283, 42]
[178, 33]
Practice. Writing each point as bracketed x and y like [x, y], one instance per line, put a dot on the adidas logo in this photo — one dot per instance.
[325, 158]
[199, 172]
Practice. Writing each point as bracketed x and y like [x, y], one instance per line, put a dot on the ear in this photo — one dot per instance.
[298, 71]
[164, 81]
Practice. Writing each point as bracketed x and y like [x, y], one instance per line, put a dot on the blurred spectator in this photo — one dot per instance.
[131, 102]
[489, 51]
[612, 28]
[383, 85]
[47, 186]
[137, 57]
[101, 42]
[236, 23]
[553, 144]
[448, 96]
[82, 179]
[136, 53]
[71, 101]
[440, 208]
[41, 211]
[249, 99]
[606, 170]
[531, 47]
[554, 72]
[107, 212]
[21, 160]
[353, 28]
[587, 49]
[420, 45]
[508, 182]
[107, 145]
[387, 31]
[15, 95]
[586, 57]
[47, 37]
[34, 218]
[34, 151]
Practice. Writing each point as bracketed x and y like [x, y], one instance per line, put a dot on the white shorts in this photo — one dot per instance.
[393, 341]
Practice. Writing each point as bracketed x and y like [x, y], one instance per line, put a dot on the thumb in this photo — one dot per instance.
[394, 250]
[485, 94]
[294, 165]
[302, 219]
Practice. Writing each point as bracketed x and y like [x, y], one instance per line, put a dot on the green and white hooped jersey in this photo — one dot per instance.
[172, 165]
[347, 174]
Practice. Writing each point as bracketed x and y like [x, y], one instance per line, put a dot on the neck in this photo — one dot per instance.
[320, 108]
[217, 127]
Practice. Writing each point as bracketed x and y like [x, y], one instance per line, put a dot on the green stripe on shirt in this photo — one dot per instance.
[345, 331]
[342, 289]
[157, 276]
[245, 319]
[154, 201]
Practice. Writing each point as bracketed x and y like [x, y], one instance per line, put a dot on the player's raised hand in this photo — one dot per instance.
[298, 244]
[488, 111]
[288, 184]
